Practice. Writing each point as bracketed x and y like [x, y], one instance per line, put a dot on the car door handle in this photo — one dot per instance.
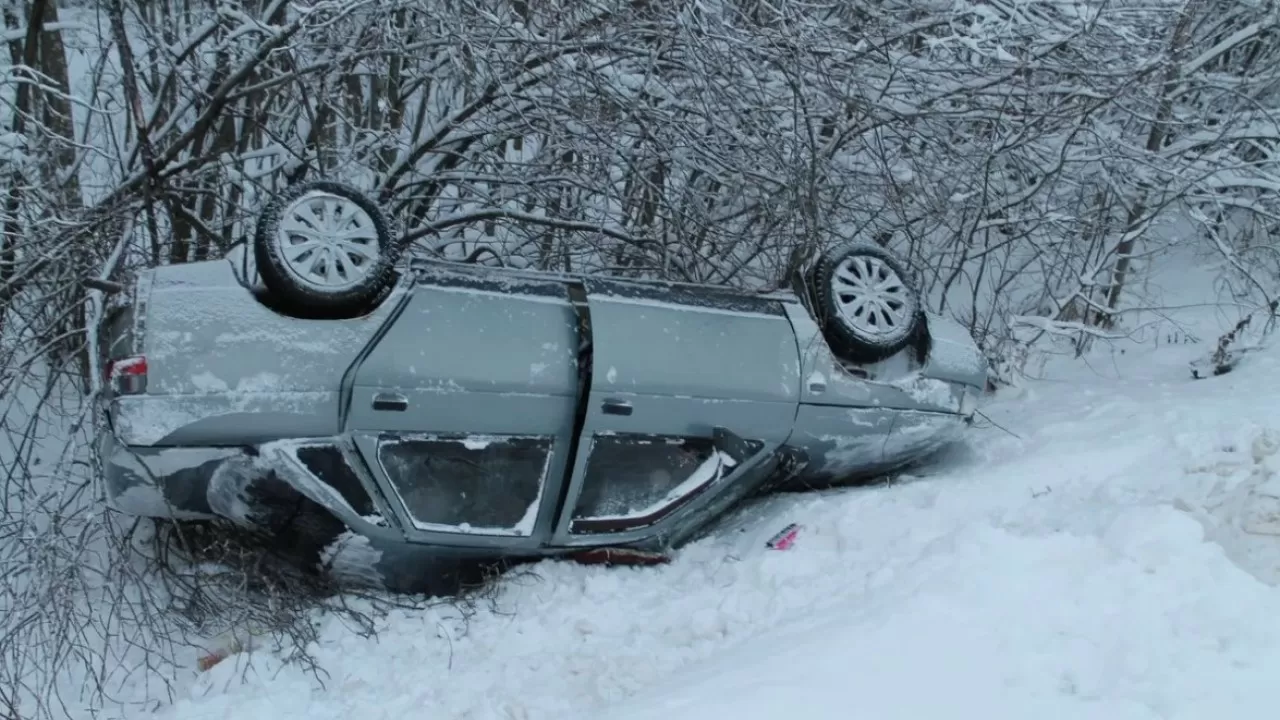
[616, 407]
[391, 402]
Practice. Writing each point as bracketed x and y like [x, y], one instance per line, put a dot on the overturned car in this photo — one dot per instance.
[412, 417]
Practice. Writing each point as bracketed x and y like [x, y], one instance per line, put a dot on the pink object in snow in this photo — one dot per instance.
[784, 539]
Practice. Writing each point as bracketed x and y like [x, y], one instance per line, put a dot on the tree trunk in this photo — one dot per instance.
[1136, 216]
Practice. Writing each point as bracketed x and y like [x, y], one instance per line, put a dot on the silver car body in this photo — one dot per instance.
[492, 364]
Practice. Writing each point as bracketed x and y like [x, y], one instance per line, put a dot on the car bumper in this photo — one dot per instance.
[161, 482]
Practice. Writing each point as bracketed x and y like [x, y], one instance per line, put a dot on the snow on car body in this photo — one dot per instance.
[472, 413]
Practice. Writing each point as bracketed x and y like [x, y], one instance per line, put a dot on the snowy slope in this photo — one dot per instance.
[1081, 574]
[1067, 572]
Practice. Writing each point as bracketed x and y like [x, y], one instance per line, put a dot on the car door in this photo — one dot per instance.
[464, 408]
[676, 372]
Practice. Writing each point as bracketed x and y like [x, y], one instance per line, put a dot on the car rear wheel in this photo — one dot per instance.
[325, 249]
[869, 306]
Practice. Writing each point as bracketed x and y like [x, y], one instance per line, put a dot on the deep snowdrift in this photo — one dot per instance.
[1097, 566]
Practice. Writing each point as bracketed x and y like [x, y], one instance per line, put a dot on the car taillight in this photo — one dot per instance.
[127, 376]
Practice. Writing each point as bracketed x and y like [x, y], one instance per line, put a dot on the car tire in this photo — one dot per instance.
[332, 276]
[867, 302]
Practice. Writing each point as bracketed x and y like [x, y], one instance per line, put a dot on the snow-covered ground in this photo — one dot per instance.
[1103, 567]
[1113, 560]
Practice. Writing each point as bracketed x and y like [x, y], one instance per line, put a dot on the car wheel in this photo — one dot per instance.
[325, 249]
[869, 306]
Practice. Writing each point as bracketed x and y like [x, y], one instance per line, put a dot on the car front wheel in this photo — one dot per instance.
[869, 306]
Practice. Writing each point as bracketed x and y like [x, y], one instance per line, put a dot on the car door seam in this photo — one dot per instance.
[579, 300]
[884, 443]
[346, 387]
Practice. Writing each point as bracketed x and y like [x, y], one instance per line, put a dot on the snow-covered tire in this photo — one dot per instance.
[866, 299]
[325, 249]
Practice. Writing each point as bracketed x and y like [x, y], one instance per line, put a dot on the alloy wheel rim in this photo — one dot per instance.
[871, 296]
[328, 242]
